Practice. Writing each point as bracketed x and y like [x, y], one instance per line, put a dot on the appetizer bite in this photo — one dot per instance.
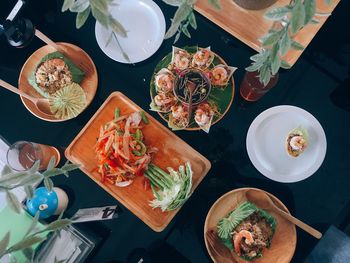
[202, 58]
[178, 118]
[221, 74]
[120, 149]
[247, 230]
[164, 81]
[181, 59]
[297, 142]
[203, 116]
[163, 102]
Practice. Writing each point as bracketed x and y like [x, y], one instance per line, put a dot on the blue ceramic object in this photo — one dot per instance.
[44, 201]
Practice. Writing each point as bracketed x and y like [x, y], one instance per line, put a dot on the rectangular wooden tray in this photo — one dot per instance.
[172, 152]
[248, 26]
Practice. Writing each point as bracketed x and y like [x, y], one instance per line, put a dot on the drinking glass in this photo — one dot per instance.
[22, 155]
[252, 89]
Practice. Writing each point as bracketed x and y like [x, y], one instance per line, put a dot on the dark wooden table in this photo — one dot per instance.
[318, 83]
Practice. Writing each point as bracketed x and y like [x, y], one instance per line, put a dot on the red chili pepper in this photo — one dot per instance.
[112, 163]
[146, 184]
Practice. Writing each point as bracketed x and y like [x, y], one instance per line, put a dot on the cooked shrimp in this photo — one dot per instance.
[162, 99]
[182, 60]
[219, 75]
[165, 82]
[178, 112]
[203, 114]
[202, 57]
[238, 238]
[298, 143]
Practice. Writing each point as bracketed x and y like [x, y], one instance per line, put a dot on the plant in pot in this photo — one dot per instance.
[10, 180]
[288, 21]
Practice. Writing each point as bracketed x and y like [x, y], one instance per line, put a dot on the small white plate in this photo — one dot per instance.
[266, 144]
[145, 25]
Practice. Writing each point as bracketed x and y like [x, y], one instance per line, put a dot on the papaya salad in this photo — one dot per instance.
[121, 151]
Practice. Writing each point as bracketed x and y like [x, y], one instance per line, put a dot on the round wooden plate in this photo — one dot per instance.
[223, 97]
[283, 242]
[78, 56]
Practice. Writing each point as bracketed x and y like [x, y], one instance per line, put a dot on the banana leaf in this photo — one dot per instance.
[77, 74]
[227, 224]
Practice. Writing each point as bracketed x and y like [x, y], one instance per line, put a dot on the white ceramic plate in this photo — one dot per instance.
[145, 26]
[266, 144]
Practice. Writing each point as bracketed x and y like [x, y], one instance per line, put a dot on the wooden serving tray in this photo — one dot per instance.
[248, 25]
[172, 152]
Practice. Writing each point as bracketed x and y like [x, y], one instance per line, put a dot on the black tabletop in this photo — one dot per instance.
[318, 82]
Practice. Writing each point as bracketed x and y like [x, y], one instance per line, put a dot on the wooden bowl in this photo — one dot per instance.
[78, 56]
[172, 152]
[283, 242]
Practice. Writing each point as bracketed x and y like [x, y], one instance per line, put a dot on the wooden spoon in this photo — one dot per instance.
[49, 42]
[42, 104]
[222, 254]
[263, 201]
[191, 87]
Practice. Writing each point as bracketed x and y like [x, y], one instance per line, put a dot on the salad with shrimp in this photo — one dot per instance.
[121, 150]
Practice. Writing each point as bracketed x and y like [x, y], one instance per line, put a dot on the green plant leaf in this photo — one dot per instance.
[275, 65]
[192, 20]
[271, 38]
[6, 170]
[53, 172]
[28, 253]
[26, 242]
[32, 179]
[82, 17]
[185, 31]
[285, 65]
[310, 8]
[67, 4]
[70, 167]
[297, 45]
[29, 191]
[13, 178]
[253, 67]
[100, 12]
[58, 224]
[285, 44]
[13, 202]
[60, 261]
[79, 6]
[276, 14]
[4, 243]
[177, 37]
[116, 27]
[173, 2]
[265, 74]
[33, 224]
[48, 184]
[35, 168]
[298, 17]
[181, 15]
[51, 163]
[215, 4]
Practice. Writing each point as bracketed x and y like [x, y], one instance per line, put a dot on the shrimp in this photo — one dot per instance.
[203, 114]
[165, 82]
[238, 238]
[298, 143]
[219, 75]
[182, 60]
[164, 101]
[178, 112]
[202, 57]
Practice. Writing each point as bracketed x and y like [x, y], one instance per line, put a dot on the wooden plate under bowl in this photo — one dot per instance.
[78, 56]
[172, 151]
[284, 240]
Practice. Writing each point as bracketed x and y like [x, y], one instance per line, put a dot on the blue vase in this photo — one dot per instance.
[44, 201]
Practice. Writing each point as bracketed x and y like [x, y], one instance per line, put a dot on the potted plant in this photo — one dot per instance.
[10, 180]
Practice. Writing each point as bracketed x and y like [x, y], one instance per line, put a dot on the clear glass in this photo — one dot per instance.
[252, 89]
[22, 155]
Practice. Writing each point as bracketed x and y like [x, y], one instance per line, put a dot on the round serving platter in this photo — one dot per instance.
[221, 96]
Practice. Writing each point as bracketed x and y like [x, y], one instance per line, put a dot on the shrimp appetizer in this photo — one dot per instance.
[221, 74]
[203, 116]
[163, 102]
[203, 58]
[181, 59]
[297, 142]
[164, 80]
[178, 118]
[248, 232]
